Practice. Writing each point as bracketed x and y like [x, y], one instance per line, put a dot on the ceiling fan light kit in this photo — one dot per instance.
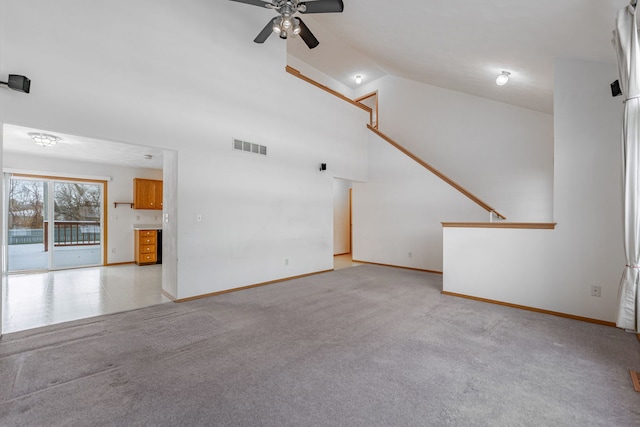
[286, 25]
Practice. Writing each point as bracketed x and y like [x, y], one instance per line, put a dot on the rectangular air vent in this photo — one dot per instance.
[249, 147]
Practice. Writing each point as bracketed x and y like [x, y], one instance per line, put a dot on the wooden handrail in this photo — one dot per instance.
[521, 225]
[309, 80]
[437, 173]
[433, 170]
[373, 109]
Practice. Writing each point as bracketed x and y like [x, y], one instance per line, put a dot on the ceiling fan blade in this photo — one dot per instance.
[323, 6]
[254, 2]
[307, 35]
[265, 33]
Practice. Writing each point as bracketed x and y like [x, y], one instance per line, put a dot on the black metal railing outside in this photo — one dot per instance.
[65, 233]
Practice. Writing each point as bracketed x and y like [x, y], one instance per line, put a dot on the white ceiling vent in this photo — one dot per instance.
[249, 147]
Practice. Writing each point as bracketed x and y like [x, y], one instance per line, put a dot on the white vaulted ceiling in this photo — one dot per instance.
[462, 44]
[455, 44]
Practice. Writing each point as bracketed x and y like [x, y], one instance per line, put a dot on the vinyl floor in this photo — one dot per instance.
[31, 300]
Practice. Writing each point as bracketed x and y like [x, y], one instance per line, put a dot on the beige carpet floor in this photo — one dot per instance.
[365, 346]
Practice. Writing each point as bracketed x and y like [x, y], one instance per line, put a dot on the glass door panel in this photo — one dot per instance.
[27, 218]
[77, 226]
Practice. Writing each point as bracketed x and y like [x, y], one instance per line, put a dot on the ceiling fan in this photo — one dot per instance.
[286, 25]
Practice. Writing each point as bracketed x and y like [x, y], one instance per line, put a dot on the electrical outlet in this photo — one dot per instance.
[286, 261]
[113, 251]
[198, 217]
[596, 291]
[410, 254]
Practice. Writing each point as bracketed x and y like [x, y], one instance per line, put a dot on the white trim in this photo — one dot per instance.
[56, 174]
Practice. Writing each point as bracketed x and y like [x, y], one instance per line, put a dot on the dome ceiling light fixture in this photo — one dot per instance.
[358, 79]
[503, 78]
[44, 139]
[286, 25]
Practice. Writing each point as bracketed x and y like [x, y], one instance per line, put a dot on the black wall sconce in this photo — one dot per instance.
[323, 167]
[18, 82]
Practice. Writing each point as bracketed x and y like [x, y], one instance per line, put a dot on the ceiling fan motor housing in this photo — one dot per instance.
[286, 25]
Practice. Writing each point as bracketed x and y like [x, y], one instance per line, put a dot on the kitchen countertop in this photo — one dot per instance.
[147, 226]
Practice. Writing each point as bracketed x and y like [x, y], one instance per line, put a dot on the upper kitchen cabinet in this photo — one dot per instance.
[147, 194]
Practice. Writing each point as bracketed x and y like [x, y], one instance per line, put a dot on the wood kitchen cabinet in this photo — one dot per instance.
[146, 246]
[147, 194]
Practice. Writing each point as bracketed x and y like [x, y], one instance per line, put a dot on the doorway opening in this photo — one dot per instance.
[342, 224]
[106, 280]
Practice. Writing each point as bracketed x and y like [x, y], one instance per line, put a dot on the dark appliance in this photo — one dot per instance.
[159, 247]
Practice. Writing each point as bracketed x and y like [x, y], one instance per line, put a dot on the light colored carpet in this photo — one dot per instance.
[365, 346]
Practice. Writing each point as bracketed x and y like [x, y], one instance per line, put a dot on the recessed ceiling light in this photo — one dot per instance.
[358, 79]
[503, 78]
[44, 139]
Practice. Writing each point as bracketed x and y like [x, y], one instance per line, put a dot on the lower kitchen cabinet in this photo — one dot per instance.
[146, 247]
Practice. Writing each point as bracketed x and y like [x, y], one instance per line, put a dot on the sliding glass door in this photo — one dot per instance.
[54, 224]
[77, 223]
[26, 220]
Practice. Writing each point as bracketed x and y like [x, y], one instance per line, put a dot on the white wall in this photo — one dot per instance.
[169, 223]
[397, 212]
[554, 270]
[341, 217]
[187, 76]
[501, 153]
[119, 189]
[2, 214]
